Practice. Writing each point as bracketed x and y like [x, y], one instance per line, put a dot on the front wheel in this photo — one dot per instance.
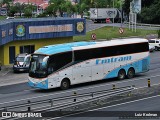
[121, 74]
[156, 48]
[130, 73]
[65, 84]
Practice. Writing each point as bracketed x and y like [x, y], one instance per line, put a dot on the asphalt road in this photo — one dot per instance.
[128, 109]
[91, 26]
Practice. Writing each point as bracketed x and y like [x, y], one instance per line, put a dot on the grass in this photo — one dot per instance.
[109, 33]
[2, 17]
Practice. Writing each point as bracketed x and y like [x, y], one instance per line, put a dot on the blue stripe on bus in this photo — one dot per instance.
[144, 67]
[39, 84]
[53, 49]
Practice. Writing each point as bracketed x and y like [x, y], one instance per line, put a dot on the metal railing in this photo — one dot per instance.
[145, 25]
[69, 101]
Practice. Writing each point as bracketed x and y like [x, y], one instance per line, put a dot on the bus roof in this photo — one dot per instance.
[112, 43]
[53, 49]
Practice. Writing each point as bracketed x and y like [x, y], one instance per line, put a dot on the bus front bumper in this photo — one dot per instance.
[41, 85]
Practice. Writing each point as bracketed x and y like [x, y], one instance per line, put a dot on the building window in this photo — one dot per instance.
[27, 49]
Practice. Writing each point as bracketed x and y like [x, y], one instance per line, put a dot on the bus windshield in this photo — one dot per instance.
[38, 66]
[41, 65]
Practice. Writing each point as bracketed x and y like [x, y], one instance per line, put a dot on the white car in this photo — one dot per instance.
[10, 18]
[155, 43]
[151, 48]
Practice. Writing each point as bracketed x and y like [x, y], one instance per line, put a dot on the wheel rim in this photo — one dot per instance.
[65, 84]
[121, 75]
[130, 73]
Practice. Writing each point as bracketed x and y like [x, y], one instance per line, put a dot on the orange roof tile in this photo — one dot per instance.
[37, 2]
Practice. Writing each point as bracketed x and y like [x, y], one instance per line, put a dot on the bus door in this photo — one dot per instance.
[82, 72]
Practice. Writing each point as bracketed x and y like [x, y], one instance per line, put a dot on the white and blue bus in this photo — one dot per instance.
[67, 64]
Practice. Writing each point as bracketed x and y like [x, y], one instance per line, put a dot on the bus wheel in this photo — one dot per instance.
[156, 48]
[121, 74]
[65, 84]
[130, 73]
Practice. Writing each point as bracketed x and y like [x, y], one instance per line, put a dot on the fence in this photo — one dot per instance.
[145, 25]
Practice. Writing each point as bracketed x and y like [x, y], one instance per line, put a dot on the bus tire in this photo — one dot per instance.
[65, 84]
[121, 74]
[156, 48]
[131, 73]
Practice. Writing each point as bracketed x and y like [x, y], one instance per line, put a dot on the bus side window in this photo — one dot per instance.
[58, 61]
[51, 65]
[50, 69]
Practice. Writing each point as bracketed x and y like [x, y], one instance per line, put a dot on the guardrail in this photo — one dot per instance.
[145, 25]
[69, 101]
[94, 97]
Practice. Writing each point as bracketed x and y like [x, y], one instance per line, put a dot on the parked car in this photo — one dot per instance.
[21, 62]
[155, 43]
[151, 48]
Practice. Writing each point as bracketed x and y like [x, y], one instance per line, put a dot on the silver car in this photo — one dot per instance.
[21, 62]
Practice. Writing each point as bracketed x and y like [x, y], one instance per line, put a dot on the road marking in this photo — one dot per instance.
[6, 73]
[126, 102]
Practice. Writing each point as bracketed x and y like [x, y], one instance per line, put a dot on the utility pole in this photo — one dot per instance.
[113, 14]
[121, 3]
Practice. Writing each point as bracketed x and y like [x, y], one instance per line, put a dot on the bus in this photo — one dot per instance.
[63, 65]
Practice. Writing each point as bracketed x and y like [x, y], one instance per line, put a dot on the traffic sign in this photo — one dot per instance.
[121, 31]
[93, 36]
[107, 20]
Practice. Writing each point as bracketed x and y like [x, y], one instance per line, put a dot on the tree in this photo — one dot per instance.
[28, 10]
[12, 10]
[58, 6]
[126, 6]
[6, 1]
[81, 8]
[71, 9]
[146, 3]
[20, 8]
[50, 10]
[151, 14]
[28, 13]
